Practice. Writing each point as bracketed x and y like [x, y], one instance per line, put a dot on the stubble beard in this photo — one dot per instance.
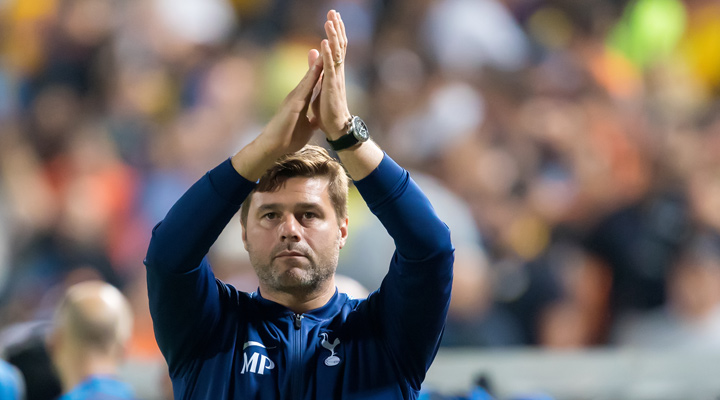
[297, 277]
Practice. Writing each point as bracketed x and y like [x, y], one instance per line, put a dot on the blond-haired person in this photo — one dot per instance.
[91, 327]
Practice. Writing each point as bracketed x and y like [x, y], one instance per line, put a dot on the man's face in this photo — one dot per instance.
[293, 236]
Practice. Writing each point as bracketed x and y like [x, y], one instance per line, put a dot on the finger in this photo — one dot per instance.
[304, 89]
[332, 35]
[342, 36]
[328, 62]
[312, 57]
[313, 76]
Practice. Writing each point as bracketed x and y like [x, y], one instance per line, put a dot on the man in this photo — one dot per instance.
[91, 326]
[297, 337]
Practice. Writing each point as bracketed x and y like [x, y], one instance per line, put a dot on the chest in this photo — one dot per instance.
[311, 359]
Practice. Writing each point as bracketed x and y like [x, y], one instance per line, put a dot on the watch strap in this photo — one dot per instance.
[345, 141]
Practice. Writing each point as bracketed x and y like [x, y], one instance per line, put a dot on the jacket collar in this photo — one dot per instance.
[271, 308]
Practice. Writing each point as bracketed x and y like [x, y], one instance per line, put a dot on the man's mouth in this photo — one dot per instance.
[289, 253]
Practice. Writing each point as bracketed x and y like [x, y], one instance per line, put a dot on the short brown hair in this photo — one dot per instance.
[309, 162]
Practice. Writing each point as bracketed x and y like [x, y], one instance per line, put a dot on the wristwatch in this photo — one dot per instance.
[357, 132]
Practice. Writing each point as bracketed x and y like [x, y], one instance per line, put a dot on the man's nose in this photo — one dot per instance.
[290, 228]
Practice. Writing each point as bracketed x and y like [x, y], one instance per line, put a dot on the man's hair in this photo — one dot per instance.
[309, 162]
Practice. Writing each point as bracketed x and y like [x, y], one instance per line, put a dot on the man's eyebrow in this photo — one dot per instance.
[277, 206]
[268, 207]
[307, 205]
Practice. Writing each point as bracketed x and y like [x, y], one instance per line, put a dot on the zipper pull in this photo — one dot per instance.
[298, 320]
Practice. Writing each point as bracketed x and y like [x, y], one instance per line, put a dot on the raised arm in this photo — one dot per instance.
[184, 295]
[411, 306]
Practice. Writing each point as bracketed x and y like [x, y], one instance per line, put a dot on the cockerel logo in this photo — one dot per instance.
[333, 360]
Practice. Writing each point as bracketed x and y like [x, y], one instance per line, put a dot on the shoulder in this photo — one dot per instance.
[228, 294]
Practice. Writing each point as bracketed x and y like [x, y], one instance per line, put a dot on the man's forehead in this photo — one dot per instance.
[295, 191]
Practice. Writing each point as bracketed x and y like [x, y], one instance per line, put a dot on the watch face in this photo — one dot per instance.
[360, 130]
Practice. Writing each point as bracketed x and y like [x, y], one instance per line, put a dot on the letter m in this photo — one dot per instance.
[251, 364]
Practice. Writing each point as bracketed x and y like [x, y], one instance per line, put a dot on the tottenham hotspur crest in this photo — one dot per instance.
[333, 360]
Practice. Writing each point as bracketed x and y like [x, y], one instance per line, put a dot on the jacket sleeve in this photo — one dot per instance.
[412, 303]
[184, 299]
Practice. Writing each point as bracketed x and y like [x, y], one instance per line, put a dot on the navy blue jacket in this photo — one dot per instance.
[221, 343]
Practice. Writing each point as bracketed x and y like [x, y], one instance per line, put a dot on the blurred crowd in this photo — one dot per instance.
[573, 147]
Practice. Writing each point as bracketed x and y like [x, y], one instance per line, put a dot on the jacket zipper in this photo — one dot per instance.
[297, 363]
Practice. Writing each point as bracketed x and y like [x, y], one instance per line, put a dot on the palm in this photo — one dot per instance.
[327, 108]
[292, 126]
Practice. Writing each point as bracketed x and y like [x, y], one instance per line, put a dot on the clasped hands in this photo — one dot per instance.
[319, 101]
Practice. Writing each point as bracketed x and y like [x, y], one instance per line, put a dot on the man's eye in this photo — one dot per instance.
[270, 215]
[309, 215]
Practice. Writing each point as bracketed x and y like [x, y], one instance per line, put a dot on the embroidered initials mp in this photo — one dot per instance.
[257, 363]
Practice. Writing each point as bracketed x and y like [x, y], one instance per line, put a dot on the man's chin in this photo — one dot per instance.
[294, 276]
[293, 282]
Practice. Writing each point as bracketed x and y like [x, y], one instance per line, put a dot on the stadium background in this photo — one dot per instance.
[572, 146]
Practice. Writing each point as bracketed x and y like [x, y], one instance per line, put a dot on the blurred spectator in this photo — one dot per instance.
[649, 30]
[638, 244]
[467, 35]
[474, 319]
[690, 319]
[696, 46]
[26, 349]
[196, 21]
[454, 111]
[578, 316]
[357, 263]
[87, 343]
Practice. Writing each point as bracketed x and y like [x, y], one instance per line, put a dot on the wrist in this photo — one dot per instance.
[334, 133]
[355, 134]
[254, 159]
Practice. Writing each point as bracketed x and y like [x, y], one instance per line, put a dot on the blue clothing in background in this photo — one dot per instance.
[11, 382]
[221, 343]
[100, 387]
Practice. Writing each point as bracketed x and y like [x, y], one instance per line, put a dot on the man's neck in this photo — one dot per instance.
[301, 303]
[80, 368]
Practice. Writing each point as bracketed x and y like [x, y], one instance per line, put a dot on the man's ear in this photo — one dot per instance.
[244, 235]
[243, 224]
[343, 231]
